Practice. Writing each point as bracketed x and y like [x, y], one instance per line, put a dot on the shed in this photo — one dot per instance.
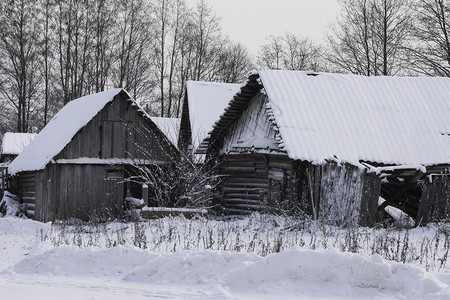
[332, 144]
[203, 104]
[87, 159]
[13, 144]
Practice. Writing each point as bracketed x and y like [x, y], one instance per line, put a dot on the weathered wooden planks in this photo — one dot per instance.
[84, 190]
[435, 200]
[344, 194]
[118, 131]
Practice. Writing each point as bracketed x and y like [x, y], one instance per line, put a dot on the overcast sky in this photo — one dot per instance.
[252, 21]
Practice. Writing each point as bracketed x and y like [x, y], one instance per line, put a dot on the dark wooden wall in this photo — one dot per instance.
[119, 131]
[257, 182]
[86, 191]
[27, 191]
[435, 200]
[185, 135]
[79, 191]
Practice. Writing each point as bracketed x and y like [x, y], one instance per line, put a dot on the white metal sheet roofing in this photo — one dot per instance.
[391, 120]
[207, 101]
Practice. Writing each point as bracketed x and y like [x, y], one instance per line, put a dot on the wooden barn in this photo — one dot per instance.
[335, 146]
[203, 104]
[88, 158]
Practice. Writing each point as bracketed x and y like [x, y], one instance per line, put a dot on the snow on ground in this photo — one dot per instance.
[248, 258]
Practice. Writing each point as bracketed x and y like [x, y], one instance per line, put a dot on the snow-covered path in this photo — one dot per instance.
[76, 288]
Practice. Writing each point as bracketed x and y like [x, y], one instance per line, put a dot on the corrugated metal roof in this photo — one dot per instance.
[391, 120]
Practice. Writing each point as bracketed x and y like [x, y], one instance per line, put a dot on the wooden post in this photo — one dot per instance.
[145, 194]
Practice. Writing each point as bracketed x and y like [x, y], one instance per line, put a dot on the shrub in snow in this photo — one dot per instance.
[180, 184]
[258, 234]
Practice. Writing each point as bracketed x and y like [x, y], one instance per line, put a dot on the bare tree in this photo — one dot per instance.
[20, 44]
[134, 35]
[271, 54]
[431, 51]
[180, 19]
[290, 52]
[370, 37]
[392, 31]
[233, 63]
[53, 51]
[74, 42]
[185, 66]
[103, 27]
[162, 16]
[207, 40]
[47, 54]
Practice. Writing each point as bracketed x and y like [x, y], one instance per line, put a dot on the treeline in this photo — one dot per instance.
[53, 51]
[372, 37]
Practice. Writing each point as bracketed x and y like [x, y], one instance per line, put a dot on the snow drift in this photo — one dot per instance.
[295, 272]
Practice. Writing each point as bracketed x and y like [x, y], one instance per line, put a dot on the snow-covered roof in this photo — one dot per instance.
[206, 101]
[60, 131]
[350, 118]
[169, 126]
[14, 142]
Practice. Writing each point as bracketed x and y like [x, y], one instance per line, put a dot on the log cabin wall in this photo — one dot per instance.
[258, 176]
[340, 194]
[27, 191]
[258, 182]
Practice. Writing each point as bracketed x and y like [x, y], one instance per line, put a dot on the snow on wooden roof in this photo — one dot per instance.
[207, 101]
[60, 131]
[13, 143]
[350, 118]
[169, 126]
